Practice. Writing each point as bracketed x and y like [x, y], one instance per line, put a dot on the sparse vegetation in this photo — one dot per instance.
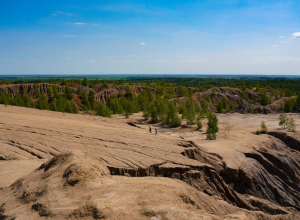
[263, 126]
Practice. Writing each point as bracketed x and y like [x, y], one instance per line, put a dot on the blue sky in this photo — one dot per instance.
[153, 37]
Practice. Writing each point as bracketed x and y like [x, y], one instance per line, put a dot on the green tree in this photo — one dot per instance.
[212, 127]
[103, 110]
[283, 120]
[190, 113]
[69, 93]
[264, 99]
[85, 82]
[244, 94]
[182, 91]
[53, 106]
[37, 93]
[105, 84]
[291, 125]
[49, 91]
[289, 104]
[232, 105]
[63, 81]
[91, 98]
[55, 92]
[42, 103]
[173, 120]
[219, 107]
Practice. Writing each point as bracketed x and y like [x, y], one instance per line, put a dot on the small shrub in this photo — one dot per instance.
[263, 126]
[257, 132]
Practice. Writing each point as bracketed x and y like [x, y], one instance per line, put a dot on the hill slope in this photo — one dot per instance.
[99, 168]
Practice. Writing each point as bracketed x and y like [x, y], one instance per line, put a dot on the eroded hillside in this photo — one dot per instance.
[57, 165]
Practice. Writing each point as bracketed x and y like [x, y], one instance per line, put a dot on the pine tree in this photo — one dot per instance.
[63, 81]
[91, 98]
[37, 93]
[190, 113]
[290, 124]
[103, 110]
[42, 103]
[49, 91]
[55, 91]
[219, 107]
[172, 117]
[54, 105]
[283, 120]
[69, 93]
[212, 127]
[264, 100]
[85, 82]
[26, 99]
[224, 102]
[153, 113]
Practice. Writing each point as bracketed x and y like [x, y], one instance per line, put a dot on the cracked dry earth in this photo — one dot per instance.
[64, 166]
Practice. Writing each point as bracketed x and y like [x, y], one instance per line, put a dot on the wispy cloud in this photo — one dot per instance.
[35, 48]
[142, 43]
[282, 37]
[56, 13]
[75, 51]
[132, 9]
[275, 46]
[34, 61]
[68, 35]
[179, 61]
[90, 61]
[79, 23]
[120, 61]
[296, 34]
[133, 55]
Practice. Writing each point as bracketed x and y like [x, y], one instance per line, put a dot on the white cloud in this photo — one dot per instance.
[79, 23]
[35, 48]
[60, 12]
[95, 24]
[120, 61]
[133, 55]
[90, 61]
[68, 58]
[281, 36]
[296, 34]
[68, 35]
[275, 46]
[142, 43]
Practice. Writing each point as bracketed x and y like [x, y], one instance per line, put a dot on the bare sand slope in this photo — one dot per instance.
[64, 166]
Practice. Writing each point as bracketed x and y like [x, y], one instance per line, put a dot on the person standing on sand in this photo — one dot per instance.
[150, 129]
[156, 131]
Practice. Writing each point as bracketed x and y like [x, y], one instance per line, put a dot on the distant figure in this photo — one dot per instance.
[150, 129]
[156, 131]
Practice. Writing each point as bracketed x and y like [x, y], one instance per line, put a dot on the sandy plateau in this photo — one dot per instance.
[71, 166]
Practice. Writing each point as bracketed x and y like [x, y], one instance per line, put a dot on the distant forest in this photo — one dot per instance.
[288, 85]
[158, 99]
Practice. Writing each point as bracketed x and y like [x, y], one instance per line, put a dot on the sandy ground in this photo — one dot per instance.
[30, 137]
